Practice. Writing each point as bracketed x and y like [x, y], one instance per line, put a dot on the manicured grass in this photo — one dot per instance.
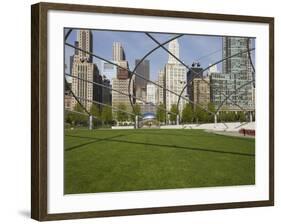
[146, 159]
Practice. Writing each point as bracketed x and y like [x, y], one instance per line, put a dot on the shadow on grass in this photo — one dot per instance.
[210, 135]
[91, 142]
[154, 144]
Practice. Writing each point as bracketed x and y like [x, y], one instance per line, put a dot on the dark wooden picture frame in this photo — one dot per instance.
[39, 121]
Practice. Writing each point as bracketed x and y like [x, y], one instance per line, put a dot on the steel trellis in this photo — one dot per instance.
[196, 73]
[110, 62]
[162, 46]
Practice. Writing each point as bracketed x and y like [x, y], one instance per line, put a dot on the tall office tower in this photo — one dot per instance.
[175, 75]
[85, 40]
[118, 53]
[106, 92]
[237, 71]
[174, 49]
[143, 70]
[194, 72]
[108, 70]
[117, 99]
[161, 93]
[76, 52]
[82, 89]
[122, 73]
[151, 93]
[239, 65]
[201, 91]
[212, 69]
[83, 68]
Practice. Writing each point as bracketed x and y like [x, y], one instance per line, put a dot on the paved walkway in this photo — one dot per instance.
[230, 133]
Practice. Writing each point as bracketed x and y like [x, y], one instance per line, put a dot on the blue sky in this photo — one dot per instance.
[137, 44]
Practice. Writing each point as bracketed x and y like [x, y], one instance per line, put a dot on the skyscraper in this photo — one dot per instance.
[85, 42]
[239, 65]
[83, 68]
[174, 49]
[143, 70]
[76, 52]
[151, 93]
[117, 98]
[118, 53]
[175, 77]
[82, 89]
[236, 73]
[121, 81]
[200, 93]
[161, 93]
[122, 73]
[194, 72]
[108, 70]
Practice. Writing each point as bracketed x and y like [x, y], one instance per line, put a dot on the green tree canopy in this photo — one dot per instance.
[201, 115]
[121, 115]
[174, 112]
[76, 118]
[160, 113]
[95, 111]
[136, 111]
[211, 108]
[187, 113]
[106, 115]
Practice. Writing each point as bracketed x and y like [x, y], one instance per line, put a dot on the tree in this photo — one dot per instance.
[240, 116]
[174, 112]
[211, 108]
[78, 119]
[187, 113]
[160, 113]
[95, 111]
[106, 115]
[201, 115]
[121, 115]
[136, 111]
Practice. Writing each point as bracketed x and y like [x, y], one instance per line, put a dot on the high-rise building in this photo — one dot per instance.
[151, 93]
[213, 69]
[82, 89]
[239, 65]
[117, 98]
[174, 49]
[194, 72]
[236, 73]
[143, 70]
[161, 93]
[201, 91]
[109, 70]
[118, 53]
[121, 81]
[76, 44]
[122, 73]
[106, 92]
[85, 42]
[223, 89]
[175, 77]
[84, 69]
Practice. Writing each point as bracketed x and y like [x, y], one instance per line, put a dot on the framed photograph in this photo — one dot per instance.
[139, 111]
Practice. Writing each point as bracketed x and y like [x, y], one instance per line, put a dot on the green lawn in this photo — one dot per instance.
[130, 160]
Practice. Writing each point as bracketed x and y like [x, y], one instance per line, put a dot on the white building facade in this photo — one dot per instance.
[151, 93]
[175, 77]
